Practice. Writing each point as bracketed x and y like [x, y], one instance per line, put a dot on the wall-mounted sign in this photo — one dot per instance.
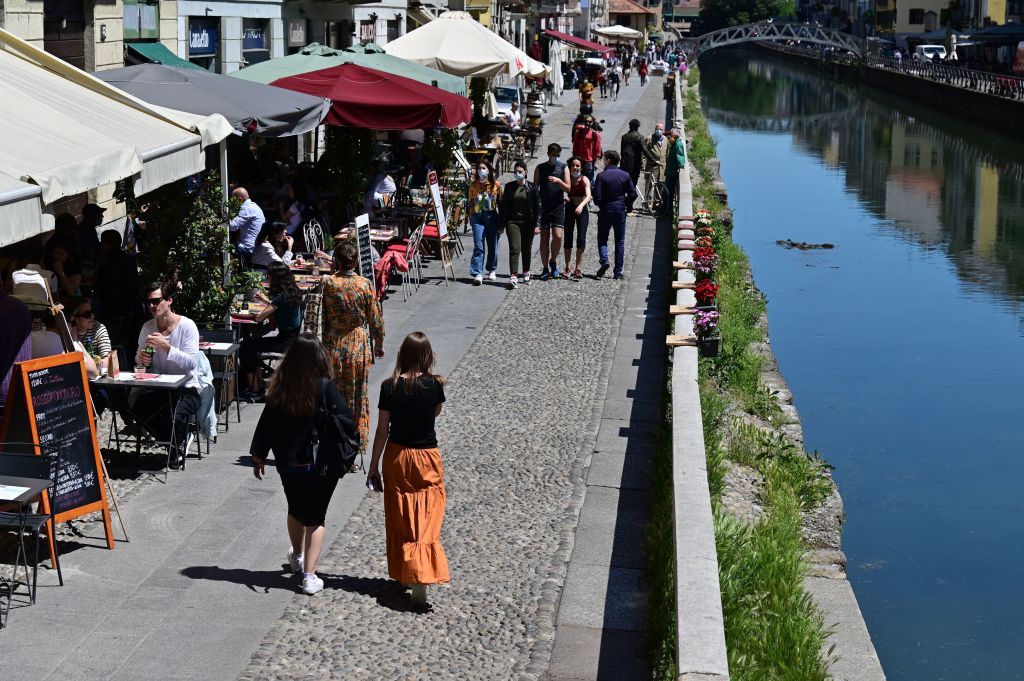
[368, 31]
[202, 37]
[254, 36]
[296, 33]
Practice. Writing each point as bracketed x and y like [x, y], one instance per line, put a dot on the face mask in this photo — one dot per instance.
[482, 173]
[658, 133]
[576, 174]
[553, 159]
[520, 175]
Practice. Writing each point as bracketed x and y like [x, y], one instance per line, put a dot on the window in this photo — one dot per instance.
[916, 16]
[394, 30]
[141, 20]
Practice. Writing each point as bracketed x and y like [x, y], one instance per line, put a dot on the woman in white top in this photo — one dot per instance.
[272, 245]
[174, 340]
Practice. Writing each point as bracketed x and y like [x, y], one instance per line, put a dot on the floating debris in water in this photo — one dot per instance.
[802, 245]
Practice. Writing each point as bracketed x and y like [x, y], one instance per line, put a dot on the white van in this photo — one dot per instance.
[928, 52]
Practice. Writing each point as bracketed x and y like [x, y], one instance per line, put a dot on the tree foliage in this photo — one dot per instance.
[718, 14]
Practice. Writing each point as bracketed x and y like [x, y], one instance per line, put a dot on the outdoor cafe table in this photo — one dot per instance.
[26, 489]
[126, 380]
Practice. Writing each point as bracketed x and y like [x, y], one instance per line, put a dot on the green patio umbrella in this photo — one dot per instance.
[314, 57]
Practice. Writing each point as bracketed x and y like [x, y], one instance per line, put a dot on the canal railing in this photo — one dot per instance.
[984, 82]
[700, 628]
[999, 85]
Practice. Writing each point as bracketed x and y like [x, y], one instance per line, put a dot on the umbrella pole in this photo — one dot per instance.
[226, 251]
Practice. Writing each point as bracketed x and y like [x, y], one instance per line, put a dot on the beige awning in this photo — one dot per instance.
[458, 44]
[68, 132]
[21, 213]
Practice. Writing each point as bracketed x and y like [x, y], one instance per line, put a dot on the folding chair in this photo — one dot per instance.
[26, 464]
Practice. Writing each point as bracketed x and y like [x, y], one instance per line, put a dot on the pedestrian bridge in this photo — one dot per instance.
[774, 31]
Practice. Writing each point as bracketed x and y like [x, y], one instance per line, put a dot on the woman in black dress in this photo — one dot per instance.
[287, 427]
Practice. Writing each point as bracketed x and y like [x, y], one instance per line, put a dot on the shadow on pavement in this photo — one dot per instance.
[387, 592]
[255, 580]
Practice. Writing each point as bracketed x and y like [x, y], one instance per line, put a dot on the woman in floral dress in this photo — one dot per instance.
[349, 308]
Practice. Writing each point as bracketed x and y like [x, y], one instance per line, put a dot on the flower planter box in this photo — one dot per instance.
[709, 347]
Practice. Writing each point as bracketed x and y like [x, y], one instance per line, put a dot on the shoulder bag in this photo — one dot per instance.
[335, 439]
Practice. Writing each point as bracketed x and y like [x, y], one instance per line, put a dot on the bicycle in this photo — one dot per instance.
[655, 199]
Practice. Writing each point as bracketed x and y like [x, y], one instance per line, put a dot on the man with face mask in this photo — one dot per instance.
[586, 143]
[613, 189]
[552, 180]
[520, 214]
[656, 146]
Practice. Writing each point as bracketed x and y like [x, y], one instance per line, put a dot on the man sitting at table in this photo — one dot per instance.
[174, 340]
[247, 223]
[512, 118]
[380, 186]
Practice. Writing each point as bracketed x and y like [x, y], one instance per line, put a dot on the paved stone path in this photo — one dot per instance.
[200, 586]
[516, 437]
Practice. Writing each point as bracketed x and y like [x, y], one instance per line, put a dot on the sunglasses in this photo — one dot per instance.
[154, 301]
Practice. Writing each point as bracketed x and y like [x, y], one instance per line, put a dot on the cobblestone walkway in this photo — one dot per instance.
[513, 436]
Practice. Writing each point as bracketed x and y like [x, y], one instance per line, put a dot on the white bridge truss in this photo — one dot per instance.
[774, 31]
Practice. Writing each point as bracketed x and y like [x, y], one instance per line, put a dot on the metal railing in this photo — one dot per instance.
[995, 84]
[999, 85]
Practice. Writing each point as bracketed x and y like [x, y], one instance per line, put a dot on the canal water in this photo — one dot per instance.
[903, 346]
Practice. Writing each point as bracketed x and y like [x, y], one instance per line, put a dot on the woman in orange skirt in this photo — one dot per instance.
[413, 484]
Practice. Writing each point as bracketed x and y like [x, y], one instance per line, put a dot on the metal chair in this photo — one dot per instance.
[313, 236]
[26, 464]
[227, 375]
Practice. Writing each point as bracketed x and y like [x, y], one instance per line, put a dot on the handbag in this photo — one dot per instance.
[335, 439]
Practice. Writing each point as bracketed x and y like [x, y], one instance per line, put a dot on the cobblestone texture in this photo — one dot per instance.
[513, 467]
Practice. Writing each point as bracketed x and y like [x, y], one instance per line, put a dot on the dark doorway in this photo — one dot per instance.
[64, 30]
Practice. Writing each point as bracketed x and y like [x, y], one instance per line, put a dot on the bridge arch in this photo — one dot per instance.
[775, 31]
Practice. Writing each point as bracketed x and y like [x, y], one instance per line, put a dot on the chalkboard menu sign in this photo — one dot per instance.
[49, 405]
[365, 248]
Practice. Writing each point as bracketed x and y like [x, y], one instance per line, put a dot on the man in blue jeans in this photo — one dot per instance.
[613, 189]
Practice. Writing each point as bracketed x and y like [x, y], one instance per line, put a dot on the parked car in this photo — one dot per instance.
[928, 52]
[659, 67]
[505, 95]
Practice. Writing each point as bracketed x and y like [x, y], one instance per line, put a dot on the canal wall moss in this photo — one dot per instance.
[789, 610]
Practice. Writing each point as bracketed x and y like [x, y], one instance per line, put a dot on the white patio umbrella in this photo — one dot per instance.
[458, 44]
[619, 32]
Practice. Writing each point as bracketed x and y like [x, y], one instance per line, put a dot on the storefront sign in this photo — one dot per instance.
[296, 33]
[368, 31]
[254, 38]
[202, 38]
[435, 193]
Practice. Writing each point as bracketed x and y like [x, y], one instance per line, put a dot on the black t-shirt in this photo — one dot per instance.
[412, 414]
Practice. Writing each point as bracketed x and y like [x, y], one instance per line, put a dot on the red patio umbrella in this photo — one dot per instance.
[367, 98]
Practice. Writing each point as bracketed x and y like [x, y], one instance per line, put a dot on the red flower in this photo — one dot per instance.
[706, 291]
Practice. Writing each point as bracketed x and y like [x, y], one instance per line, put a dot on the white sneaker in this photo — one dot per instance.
[478, 280]
[526, 277]
[513, 283]
[492, 275]
[312, 585]
[294, 562]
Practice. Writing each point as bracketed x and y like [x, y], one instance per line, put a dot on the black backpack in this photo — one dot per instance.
[335, 439]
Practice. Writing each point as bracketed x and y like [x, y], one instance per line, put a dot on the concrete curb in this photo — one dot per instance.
[700, 629]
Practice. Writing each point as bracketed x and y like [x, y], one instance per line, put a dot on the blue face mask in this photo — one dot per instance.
[482, 173]
[658, 134]
[553, 159]
[520, 175]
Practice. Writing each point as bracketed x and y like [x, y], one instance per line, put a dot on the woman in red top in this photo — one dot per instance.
[577, 216]
[642, 70]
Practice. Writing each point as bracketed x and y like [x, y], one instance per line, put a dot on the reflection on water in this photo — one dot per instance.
[939, 180]
[904, 347]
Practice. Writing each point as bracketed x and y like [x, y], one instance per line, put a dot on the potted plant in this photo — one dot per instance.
[703, 242]
[248, 283]
[705, 263]
[705, 328]
[706, 290]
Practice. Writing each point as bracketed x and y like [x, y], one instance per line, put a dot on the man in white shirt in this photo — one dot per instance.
[380, 185]
[512, 119]
[247, 223]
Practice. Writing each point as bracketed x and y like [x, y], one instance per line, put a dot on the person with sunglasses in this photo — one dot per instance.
[90, 333]
[174, 340]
